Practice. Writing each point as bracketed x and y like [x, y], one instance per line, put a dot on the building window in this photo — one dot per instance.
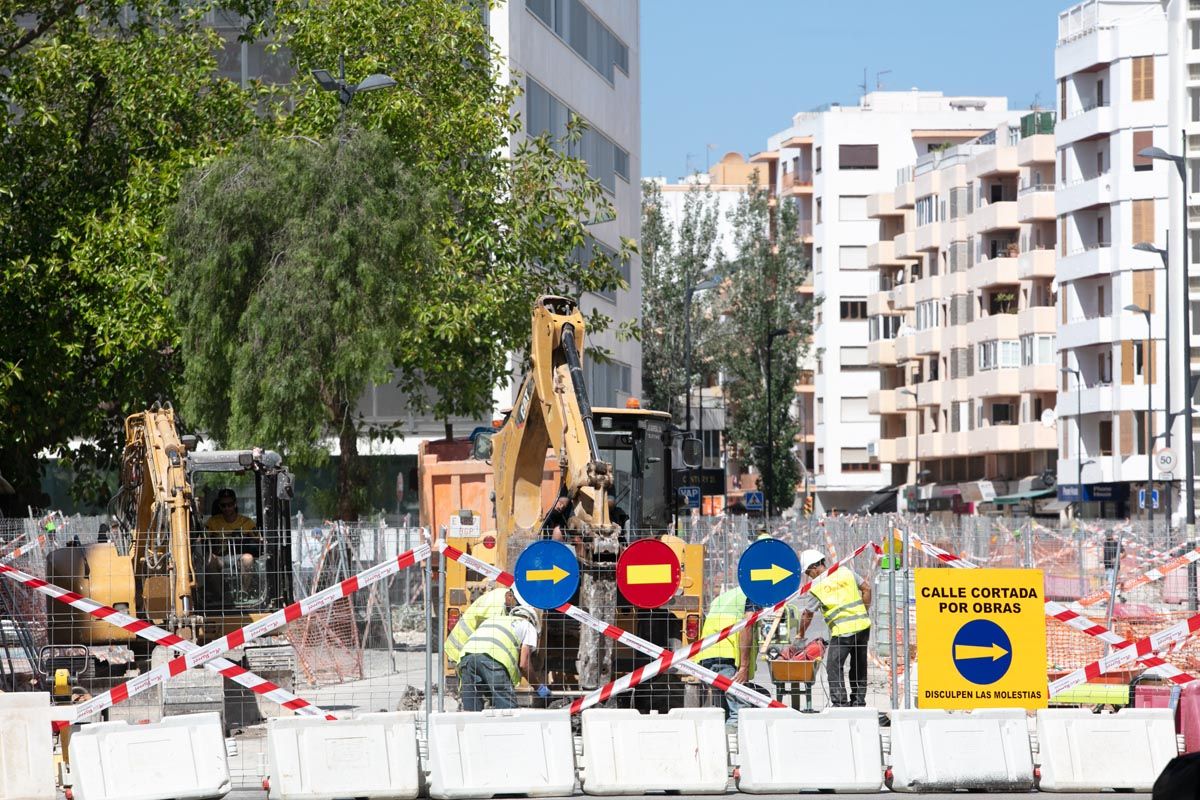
[818, 210]
[1143, 221]
[854, 308]
[858, 156]
[852, 357]
[855, 459]
[1143, 77]
[852, 208]
[1143, 436]
[883, 327]
[609, 383]
[1037, 349]
[1105, 431]
[816, 159]
[584, 33]
[1003, 414]
[999, 354]
[546, 114]
[584, 254]
[927, 315]
[854, 409]
[926, 210]
[852, 257]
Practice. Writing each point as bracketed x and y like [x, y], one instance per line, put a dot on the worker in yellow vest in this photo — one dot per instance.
[492, 603]
[496, 657]
[734, 656]
[843, 597]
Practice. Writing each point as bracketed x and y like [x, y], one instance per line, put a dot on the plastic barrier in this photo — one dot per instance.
[181, 757]
[1187, 708]
[836, 750]
[372, 756]
[943, 751]
[26, 748]
[630, 753]
[1085, 752]
[482, 754]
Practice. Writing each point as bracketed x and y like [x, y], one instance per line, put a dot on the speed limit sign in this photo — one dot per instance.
[1165, 460]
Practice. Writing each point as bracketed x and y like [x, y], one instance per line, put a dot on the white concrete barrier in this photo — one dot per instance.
[372, 756]
[1084, 752]
[482, 754]
[942, 751]
[26, 747]
[625, 752]
[781, 752]
[181, 757]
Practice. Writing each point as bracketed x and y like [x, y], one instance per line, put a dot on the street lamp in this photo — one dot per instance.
[1146, 360]
[916, 439]
[346, 91]
[1189, 462]
[771, 336]
[1078, 429]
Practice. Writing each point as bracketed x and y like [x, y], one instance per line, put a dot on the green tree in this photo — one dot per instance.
[103, 107]
[771, 265]
[308, 254]
[674, 259]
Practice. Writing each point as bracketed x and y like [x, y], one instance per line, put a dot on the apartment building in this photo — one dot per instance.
[962, 328]
[1111, 68]
[829, 162]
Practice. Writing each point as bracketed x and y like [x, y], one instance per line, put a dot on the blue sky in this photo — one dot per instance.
[729, 73]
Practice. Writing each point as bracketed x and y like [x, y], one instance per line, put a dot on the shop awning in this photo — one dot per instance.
[1013, 499]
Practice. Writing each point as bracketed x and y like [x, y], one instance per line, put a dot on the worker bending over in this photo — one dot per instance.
[843, 598]
[733, 659]
[496, 657]
[492, 603]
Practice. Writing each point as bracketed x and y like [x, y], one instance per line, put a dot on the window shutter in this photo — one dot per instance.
[1126, 423]
[1143, 289]
[1152, 361]
[858, 156]
[1143, 78]
[1062, 98]
[1126, 362]
[1062, 237]
[1143, 221]
[1142, 140]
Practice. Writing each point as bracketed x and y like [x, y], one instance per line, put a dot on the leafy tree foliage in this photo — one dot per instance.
[674, 259]
[103, 106]
[771, 265]
[309, 254]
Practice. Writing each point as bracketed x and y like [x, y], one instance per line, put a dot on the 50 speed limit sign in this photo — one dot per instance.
[1165, 460]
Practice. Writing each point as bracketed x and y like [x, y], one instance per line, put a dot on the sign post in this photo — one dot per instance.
[981, 638]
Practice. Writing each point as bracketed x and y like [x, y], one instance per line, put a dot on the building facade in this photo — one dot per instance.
[962, 328]
[830, 161]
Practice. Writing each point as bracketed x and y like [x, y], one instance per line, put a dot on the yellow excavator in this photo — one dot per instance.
[159, 564]
[620, 454]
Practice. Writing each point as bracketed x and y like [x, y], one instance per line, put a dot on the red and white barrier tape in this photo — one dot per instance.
[1077, 621]
[1158, 573]
[206, 653]
[679, 658]
[24, 549]
[1132, 652]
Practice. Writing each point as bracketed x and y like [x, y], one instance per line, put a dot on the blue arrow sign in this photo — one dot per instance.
[691, 495]
[982, 652]
[547, 574]
[768, 572]
[753, 501]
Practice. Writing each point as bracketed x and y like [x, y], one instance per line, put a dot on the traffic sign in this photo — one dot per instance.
[691, 495]
[547, 574]
[981, 638]
[648, 573]
[768, 572]
[753, 501]
[1166, 460]
[1142, 498]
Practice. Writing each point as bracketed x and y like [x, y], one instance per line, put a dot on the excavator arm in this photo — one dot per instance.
[553, 410]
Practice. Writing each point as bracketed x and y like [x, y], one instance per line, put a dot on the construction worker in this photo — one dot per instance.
[492, 603]
[843, 598]
[495, 658]
[732, 657]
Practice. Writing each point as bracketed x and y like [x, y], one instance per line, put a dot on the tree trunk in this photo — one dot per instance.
[349, 479]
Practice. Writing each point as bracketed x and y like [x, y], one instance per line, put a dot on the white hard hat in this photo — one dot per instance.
[527, 612]
[810, 557]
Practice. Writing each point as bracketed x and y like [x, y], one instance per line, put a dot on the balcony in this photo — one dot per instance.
[1086, 192]
[928, 237]
[992, 383]
[996, 439]
[1037, 149]
[879, 303]
[929, 341]
[1086, 332]
[882, 254]
[1036, 264]
[906, 449]
[904, 296]
[1089, 122]
[933, 393]
[885, 451]
[882, 401]
[1036, 203]
[997, 326]
[1083, 262]
[882, 353]
[906, 348]
[1038, 319]
[996, 161]
[1036, 436]
[794, 183]
[995, 216]
[992, 272]
[805, 382]
[804, 228]
[1037, 378]
[882, 205]
[928, 182]
[905, 195]
[904, 246]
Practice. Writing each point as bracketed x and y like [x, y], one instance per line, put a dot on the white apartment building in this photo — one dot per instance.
[962, 327]
[1111, 66]
[830, 161]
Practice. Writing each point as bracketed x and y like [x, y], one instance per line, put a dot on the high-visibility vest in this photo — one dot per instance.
[842, 602]
[727, 609]
[487, 606]
[498, 638]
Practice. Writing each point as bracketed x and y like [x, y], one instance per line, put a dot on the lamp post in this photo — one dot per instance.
[771, 336]
[1078, 429]
[1189, 460]
[1146, 361]
[916, 439]
[1168, 417]
[346, 91]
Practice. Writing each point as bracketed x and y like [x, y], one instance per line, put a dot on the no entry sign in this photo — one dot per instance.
[648, 573]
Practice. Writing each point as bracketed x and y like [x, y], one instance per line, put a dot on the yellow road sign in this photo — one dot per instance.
[648, 573]
[981, 638]
[773, 573]
[554, 574]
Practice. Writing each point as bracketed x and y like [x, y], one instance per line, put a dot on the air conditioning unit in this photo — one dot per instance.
[873, 449]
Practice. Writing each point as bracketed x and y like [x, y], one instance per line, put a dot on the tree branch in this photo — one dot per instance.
[37, 31]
